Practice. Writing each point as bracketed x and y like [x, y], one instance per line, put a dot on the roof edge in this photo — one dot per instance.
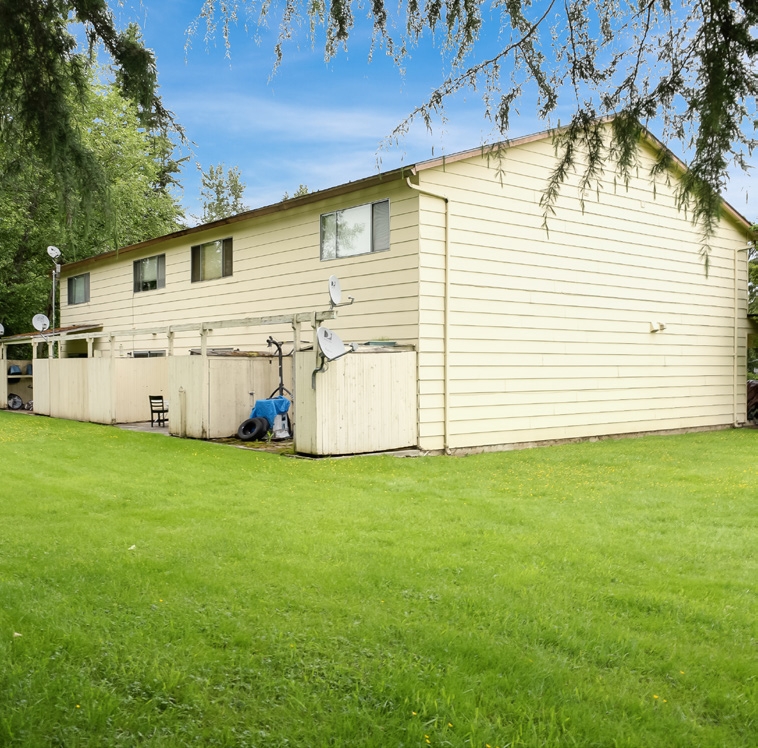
[311, 197]
[433, 163]
[658, 144]
[378, 178]
[647, 136]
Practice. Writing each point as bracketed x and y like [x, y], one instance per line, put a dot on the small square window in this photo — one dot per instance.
[355, 231]
[150, 273]
[212, 260]
[78, 289]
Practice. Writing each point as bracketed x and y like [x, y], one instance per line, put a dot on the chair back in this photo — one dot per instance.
[156, 402]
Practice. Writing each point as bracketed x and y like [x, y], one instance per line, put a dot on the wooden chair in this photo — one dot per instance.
[158, 410]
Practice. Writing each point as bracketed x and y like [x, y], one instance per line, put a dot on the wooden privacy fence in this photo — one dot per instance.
[100, 390]
[363, 402]
[210, 396]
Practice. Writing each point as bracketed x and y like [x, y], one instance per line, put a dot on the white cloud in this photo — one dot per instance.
[279, 145]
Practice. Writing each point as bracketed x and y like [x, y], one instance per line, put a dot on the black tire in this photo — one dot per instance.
[246, 430]
[262, 428]
[252, 429]
[15, 402]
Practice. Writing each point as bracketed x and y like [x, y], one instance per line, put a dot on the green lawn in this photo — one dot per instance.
[172, 593]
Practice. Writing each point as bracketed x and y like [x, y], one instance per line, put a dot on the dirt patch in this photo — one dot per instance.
[284, 446]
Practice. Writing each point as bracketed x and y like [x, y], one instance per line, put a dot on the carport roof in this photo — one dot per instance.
[28, 337]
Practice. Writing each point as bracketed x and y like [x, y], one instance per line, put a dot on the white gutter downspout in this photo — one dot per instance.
[735, 340]
[445, 318]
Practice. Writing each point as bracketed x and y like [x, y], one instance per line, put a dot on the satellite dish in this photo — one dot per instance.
[54, 252]
[330, 343]
[2, 330]
[40, 322]
[335, 290]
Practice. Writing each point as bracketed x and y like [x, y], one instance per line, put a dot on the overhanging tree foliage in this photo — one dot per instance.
[82, 166]
[753, 278]
[128, 204]
[44, 81]
[689, 63]
[752, 308]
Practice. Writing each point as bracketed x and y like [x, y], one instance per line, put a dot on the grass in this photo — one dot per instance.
[173, 593]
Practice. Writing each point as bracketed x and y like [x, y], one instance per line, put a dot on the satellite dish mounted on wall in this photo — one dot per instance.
[335, 293]
[331, 347]
[330, 344]
[40, 322]
[335, 290]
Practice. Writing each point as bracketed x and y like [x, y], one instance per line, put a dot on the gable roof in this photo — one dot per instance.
[373, 180]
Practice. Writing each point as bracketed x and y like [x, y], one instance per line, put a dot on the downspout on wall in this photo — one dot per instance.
[735, 338]
[446, 316]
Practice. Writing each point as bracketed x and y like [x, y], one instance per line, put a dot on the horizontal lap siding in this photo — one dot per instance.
[277, 270]
[431, 322]
[550, 330]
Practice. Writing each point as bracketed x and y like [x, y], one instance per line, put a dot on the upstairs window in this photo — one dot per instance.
[355, 231]
[150, 273]
[78, 289]
[212, 260]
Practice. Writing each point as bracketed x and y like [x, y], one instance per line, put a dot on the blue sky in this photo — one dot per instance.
[313, 122]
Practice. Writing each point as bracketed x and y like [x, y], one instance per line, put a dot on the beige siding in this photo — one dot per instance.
[431, 322]
[550, 331]
[277, 270]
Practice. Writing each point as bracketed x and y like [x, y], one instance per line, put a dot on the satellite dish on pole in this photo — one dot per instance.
[54, 252]
[335, 290]
[2, 330]
[330, 343]
[40, 322]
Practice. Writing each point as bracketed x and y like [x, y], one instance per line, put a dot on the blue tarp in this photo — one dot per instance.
[271, 408]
